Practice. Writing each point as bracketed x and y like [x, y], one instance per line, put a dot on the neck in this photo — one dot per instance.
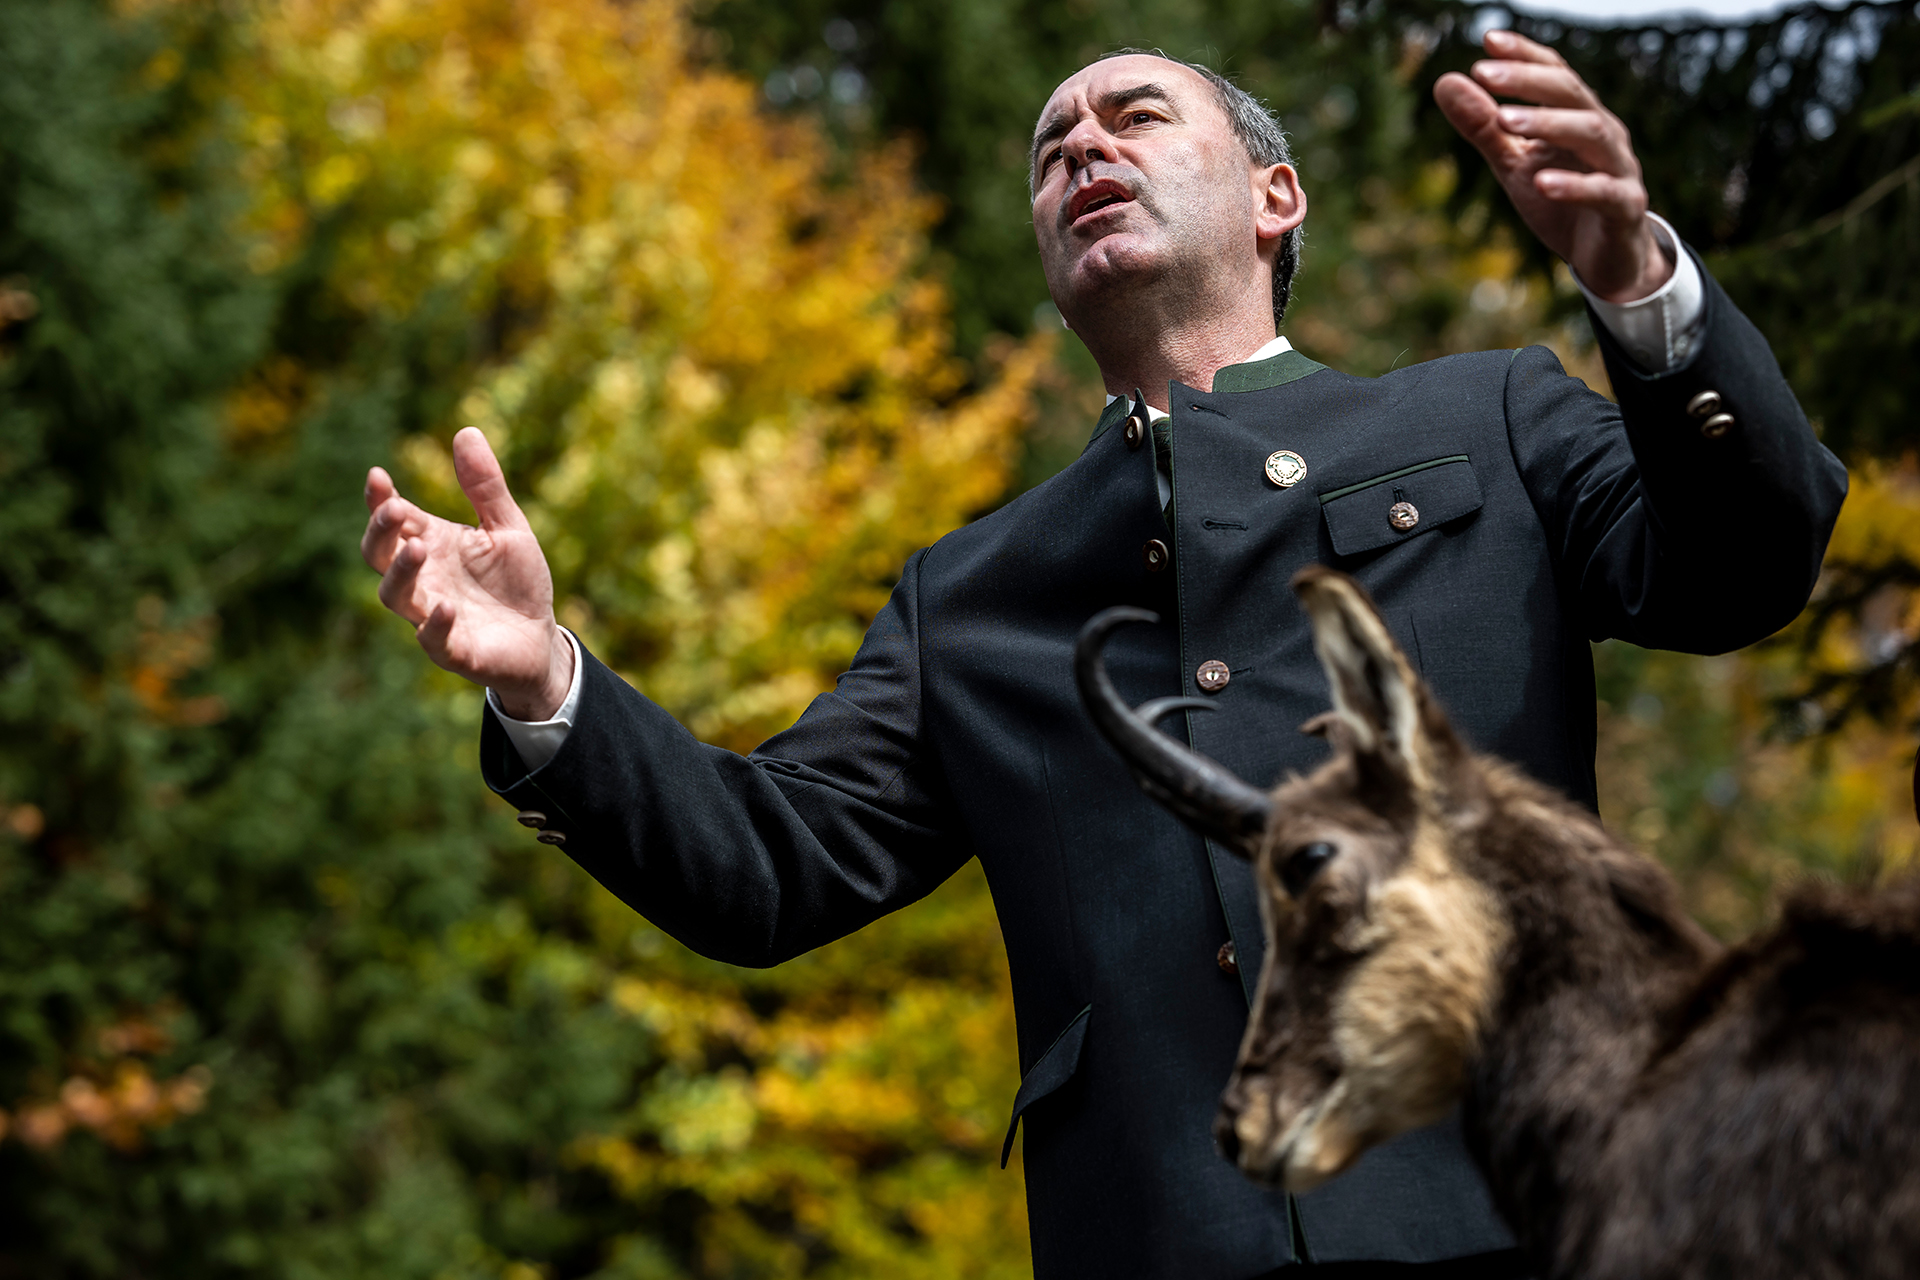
[1148, 343]
[1602, 953]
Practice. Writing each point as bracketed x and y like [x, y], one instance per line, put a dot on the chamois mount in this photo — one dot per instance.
[1442, 930]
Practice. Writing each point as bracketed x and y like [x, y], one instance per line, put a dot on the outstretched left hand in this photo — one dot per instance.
[1566, 162]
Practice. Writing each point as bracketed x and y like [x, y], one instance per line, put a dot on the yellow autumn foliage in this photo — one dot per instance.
[719, 385]
[723, 390]
[722, 387]
[1740, 783]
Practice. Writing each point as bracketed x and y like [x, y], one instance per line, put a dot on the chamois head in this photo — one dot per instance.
[1382, 951]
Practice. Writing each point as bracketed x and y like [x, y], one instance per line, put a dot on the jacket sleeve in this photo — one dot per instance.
[753, 859]
[1664, 536]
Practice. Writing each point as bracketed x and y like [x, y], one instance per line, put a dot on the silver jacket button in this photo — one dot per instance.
[1286, 468]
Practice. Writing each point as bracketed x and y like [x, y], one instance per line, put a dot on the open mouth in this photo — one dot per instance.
[1095, 197]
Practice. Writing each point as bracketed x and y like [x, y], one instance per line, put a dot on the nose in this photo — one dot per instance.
[1086, 143]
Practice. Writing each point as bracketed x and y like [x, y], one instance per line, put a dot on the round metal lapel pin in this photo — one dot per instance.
[1286, 468]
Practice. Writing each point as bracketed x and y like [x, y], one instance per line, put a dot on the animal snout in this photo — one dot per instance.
[1226, 1137]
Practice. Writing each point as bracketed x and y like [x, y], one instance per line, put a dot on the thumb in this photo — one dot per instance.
[483, 482]
[434, 635]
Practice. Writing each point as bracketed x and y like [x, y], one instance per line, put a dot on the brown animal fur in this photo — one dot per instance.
[1643, 1103]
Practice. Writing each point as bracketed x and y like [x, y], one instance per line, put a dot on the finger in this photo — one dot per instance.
[434, 634]
[1595, 137]
[1550, 86]
[1511, 44]
[379, 487]
[1472, 111]
[392, 520]
[483, 482]
[399, 585]
[1615, 198]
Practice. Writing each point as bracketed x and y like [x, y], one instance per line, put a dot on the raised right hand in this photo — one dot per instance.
[480, 599]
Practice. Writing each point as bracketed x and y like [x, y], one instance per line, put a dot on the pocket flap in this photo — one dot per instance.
[1369, 515]
[1054, 1068]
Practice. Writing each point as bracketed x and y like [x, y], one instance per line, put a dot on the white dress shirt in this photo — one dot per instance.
[1658, 331]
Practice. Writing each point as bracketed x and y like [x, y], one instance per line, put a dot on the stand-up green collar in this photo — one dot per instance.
[1260, 375]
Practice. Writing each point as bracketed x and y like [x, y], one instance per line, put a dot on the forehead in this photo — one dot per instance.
[1100, 78]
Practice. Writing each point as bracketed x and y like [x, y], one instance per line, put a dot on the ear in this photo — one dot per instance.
[1279, 205]
[1381, 704]
[1326, 725]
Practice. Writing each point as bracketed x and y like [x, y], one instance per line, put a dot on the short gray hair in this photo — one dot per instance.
[1259, 131]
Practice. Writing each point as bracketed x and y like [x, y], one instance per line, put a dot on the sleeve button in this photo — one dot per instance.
[551, 837]
[1704, 405]
[532, 818]
[1716, 426]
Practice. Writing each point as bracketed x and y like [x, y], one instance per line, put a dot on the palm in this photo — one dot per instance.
[480, 598]
[496, 582]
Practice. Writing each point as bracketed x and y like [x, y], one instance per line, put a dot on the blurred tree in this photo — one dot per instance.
[281, 996]
[731, 407]
[1392, 273]
[280, 991]
[1784, 149]
[1746, 770]
[1788, 152]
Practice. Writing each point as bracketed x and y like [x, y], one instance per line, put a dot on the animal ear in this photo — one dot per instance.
[1326, 725]
[1382, 706]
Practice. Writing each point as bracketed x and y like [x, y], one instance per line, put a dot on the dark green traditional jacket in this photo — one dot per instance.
[1547, 517]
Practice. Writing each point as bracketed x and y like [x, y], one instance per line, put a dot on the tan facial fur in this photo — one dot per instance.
[1384, 950]
[1388, 1049]
[1408, 1020]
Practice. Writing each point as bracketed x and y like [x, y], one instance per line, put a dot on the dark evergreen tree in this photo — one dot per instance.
[1787, 151]
[248, 881]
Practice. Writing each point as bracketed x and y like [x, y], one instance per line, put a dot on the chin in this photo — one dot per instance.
[1116, 262]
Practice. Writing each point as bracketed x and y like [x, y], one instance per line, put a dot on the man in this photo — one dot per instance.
[1500, 512]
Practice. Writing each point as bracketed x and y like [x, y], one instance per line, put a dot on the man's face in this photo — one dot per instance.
[1137, 178]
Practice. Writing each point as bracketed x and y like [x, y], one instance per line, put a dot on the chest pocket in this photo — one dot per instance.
[1400, 505]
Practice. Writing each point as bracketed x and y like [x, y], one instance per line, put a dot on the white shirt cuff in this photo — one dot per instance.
[1660, 330]
[538, 741]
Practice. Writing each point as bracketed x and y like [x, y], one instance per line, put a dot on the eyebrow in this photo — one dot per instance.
[1059, 124]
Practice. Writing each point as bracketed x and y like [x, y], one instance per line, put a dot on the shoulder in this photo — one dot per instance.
[1014, 526]
[1466, 373]
[1470, 383]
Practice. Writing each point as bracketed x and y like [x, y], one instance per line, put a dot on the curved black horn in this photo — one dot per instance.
[1201, 793]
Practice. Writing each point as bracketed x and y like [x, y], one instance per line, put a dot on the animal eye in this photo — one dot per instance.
[1303, 864]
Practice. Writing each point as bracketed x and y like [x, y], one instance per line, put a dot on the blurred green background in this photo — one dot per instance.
[745, 294]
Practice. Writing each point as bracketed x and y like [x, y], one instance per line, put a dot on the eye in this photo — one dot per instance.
[1140, 117]
[1303, 864]
[1047, 161]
